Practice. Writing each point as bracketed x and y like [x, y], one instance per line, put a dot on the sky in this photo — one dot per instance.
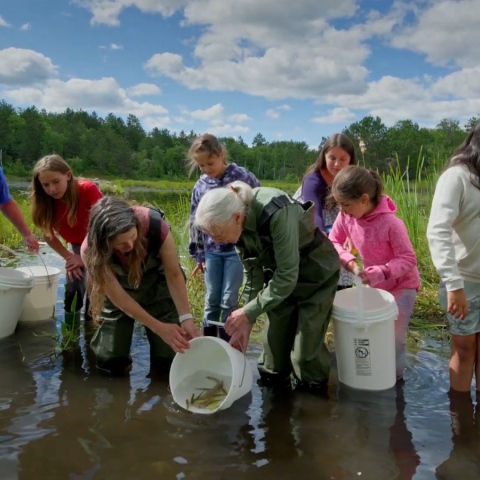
[289, 69]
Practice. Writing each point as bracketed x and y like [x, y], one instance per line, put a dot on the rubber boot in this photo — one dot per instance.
[72, 320]
[223, 334]
[210, 330]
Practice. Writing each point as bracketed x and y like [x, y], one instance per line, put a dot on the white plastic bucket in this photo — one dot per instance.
[209, 357]
[14, 286]
[40, 303]
[365, 344]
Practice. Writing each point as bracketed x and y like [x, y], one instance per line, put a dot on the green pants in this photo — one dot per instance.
[111, 342]
[296, 328]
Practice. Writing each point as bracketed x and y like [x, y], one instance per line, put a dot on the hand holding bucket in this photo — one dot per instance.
[209, 362]
[239, 328]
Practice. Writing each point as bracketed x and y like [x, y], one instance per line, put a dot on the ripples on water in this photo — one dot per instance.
[59, 419]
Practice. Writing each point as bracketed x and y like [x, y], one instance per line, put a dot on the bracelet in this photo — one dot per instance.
[187, 316]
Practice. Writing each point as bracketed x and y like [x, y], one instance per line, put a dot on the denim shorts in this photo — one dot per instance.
[471, 324]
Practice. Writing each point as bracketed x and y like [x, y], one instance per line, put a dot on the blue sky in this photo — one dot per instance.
[290, 70]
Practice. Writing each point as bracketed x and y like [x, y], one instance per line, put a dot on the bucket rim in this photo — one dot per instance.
[231, 393]
[11, 278]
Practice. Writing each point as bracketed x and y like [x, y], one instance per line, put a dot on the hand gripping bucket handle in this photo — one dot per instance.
[15, 254]
[222, 325]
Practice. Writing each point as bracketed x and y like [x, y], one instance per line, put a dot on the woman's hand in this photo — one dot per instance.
[75, 274]
[32, 243]
[74, 262]
[200, 267]
[239, 328]
[457, 304]
[172, 335]
[190, 329]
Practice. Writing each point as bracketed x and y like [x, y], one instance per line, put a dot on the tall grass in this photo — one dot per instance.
[413, 193]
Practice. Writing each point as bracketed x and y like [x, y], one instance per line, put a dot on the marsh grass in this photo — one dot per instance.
[412, 193]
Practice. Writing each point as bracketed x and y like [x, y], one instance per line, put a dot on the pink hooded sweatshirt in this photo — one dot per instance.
[381, 240]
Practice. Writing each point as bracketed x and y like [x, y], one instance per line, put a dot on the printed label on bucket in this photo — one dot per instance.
[363, 362]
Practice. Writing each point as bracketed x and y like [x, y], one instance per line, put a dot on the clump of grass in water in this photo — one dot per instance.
[68, 337]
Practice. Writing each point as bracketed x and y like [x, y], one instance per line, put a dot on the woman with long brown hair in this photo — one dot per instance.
[134, 274]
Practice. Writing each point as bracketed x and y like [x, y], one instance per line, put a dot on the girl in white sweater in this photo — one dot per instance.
[454, 238]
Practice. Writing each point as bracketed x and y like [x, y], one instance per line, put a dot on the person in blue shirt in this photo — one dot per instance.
[12, 212]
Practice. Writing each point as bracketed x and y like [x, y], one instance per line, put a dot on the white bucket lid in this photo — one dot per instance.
[10, 278]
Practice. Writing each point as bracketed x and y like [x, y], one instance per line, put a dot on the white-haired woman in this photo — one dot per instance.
[291, 272]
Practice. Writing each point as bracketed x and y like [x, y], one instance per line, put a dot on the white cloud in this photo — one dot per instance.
[112, 46]
[238, 118]
[446, 32]
[462, 84]
[3, 22]
[143, 89]
[275, 112]
[261, 47]
[22, 67]
[337, 115]
[272, 113]
[219, 123]
[102, 95]
[25, 26]
[212, 115]
[107, 11]
[394, 99]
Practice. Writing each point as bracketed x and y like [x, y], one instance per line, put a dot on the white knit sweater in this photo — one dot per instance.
[454, 228]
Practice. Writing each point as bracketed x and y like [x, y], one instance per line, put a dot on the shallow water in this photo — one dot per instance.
[59, 419]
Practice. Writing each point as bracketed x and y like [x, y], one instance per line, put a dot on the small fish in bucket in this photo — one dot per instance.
[209, 376]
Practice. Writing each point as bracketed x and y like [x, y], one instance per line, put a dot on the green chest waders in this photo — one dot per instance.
[296, 328]
[111, 342]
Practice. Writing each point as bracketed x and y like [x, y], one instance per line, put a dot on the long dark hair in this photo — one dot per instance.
[336, 140]
[468, 155]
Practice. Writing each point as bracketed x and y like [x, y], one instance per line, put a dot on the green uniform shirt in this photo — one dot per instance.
[271, 259]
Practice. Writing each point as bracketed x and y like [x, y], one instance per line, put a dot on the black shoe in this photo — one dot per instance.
[276, 381]
[316, 388]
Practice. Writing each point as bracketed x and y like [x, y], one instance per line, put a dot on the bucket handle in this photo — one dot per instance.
[222, 325]
[15, 254]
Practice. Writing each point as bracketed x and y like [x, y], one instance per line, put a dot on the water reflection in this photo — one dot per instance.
[464, 459]
[59, 419]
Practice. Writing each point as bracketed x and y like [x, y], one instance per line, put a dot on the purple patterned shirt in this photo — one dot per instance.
[199, 242]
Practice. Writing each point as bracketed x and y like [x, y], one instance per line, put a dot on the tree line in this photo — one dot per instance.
[120, 147]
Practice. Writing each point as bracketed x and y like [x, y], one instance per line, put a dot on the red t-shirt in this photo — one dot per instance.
[88, 195]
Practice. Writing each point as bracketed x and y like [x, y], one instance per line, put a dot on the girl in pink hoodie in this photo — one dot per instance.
[368, 219]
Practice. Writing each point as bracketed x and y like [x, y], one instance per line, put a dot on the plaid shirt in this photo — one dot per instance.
[199, 242]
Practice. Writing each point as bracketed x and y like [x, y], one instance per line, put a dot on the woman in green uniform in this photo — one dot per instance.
[134, 274]
[291, 272]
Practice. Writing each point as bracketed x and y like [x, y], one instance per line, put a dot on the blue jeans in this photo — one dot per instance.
[223, 279]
